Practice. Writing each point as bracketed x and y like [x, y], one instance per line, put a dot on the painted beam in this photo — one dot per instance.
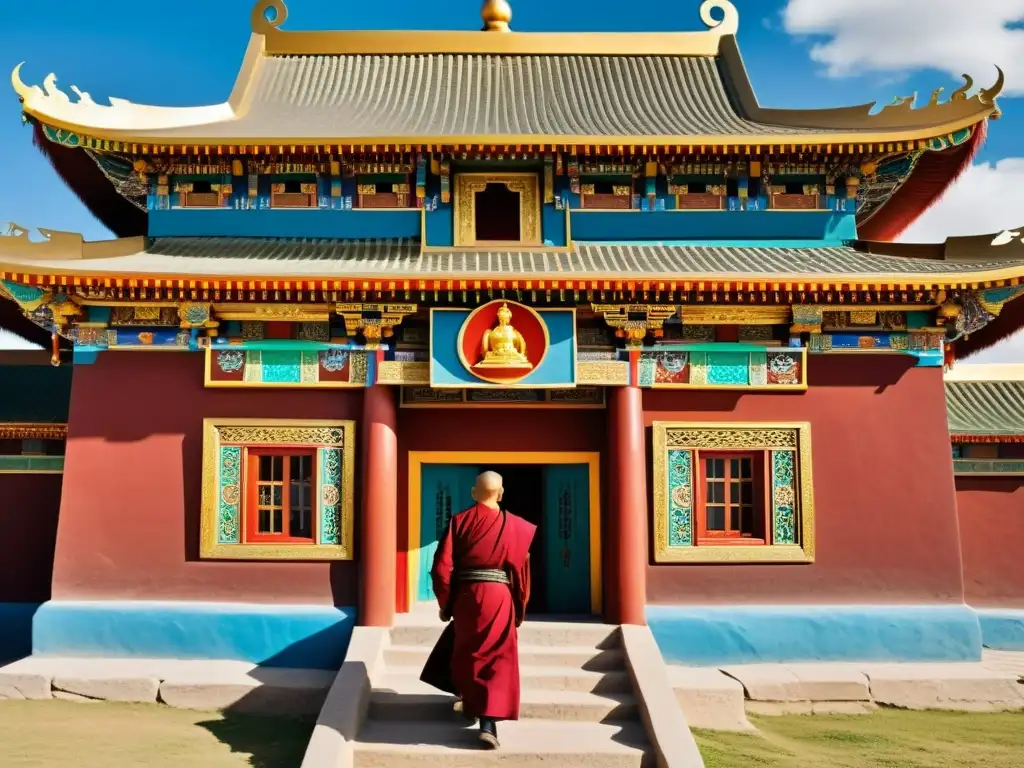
[289, 223]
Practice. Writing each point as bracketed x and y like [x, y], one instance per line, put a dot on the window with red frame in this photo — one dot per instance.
[732, 508]
[280, 503]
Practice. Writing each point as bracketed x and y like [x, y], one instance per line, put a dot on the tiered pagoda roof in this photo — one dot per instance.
[415, 91]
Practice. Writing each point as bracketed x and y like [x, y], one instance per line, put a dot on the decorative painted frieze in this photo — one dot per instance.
[427, 397]
[723, 366]
[314, 368]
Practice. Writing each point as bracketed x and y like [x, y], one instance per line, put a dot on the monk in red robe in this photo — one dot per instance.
[481, 577]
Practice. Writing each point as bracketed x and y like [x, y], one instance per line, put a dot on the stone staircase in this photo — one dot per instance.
[577, 705]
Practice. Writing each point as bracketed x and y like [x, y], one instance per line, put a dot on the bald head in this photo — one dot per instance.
[488, 489]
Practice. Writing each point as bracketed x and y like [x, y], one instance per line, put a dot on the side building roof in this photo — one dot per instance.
[985, 408]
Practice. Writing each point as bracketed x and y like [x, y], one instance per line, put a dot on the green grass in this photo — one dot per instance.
[885, 739]
[45, 734]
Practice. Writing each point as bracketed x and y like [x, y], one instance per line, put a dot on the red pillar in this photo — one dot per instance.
[379, 519]
[628, 518]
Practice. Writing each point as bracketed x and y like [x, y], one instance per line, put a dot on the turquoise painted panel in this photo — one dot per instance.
[344, 225]
[28, 464]
[764, 226]
[1002, 629]
[552, 225]
[445, 491]
[716, 636]
[680, 498]
[330, 493]
[566, 532]
[281, 367]
[295, 636]
[557, 369]
[728, 368]
[230, 487]
[441, 227]
[783, 497]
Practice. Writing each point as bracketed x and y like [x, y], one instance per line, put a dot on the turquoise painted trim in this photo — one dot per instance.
[758, 226]
[98, 314]
[710, 636]
[312, 636]
[932, 358]
[988, 467]
[1002, 629]
[313, 223]
[84, 355]
[16, 630]
[558, 368]
[31, 464]
[552, 223]
[441, 227]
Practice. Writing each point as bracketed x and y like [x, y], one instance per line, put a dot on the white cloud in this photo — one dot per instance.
[985, 199]
[9, 341]
[903, 35]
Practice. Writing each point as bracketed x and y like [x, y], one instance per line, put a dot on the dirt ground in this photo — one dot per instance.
[42, 734]
[884, 739]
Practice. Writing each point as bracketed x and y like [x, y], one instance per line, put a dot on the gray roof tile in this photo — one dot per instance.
[274, 257]
[989, 408]
[452, 95]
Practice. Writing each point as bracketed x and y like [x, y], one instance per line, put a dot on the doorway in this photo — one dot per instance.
[556, 492]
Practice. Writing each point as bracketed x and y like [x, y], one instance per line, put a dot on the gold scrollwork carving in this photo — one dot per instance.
[757, 438]
[468, 185]
[611, 374]
[773, 315]
[403, 372]
[326, 436]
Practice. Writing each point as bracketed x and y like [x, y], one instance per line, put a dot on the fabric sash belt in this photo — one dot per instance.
[482, 575]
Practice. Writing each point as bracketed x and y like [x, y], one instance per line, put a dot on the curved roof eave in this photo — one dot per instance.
[224, 124]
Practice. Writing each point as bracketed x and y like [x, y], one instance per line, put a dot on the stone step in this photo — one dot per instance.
[591, 659]
[412, 629]
[538, 679]
[413, 700]
[413, 744]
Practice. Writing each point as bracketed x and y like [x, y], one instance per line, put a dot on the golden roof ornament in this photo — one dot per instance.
[503, 346]
[497, 14]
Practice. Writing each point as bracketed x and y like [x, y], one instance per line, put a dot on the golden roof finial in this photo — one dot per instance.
[496, 15]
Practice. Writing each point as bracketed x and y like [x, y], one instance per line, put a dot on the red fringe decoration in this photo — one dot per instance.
[87, 181]
[986, 438]
[1009, 322]
[12, 319]
[931, 179]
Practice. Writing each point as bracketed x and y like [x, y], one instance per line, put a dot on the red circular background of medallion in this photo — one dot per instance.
[485, 318]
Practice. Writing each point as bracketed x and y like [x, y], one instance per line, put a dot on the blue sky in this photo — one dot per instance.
[173, 53]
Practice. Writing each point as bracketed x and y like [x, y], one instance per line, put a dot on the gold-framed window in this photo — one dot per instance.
[277, 489]
[733, 492]
[468, 204]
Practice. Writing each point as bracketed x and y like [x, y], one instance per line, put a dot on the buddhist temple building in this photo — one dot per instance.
[672, 318]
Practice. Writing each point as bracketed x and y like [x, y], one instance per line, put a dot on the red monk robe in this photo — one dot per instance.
[485, 661]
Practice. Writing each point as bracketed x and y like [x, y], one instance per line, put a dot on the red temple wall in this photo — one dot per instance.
[29, 505]
[129, 517]
[885, 510]
[489, 429]
[991, 511]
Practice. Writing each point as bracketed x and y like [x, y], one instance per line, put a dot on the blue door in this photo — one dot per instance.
[566, 532]
[446, 489]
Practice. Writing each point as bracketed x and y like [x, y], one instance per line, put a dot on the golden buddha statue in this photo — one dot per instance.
[503, 346]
